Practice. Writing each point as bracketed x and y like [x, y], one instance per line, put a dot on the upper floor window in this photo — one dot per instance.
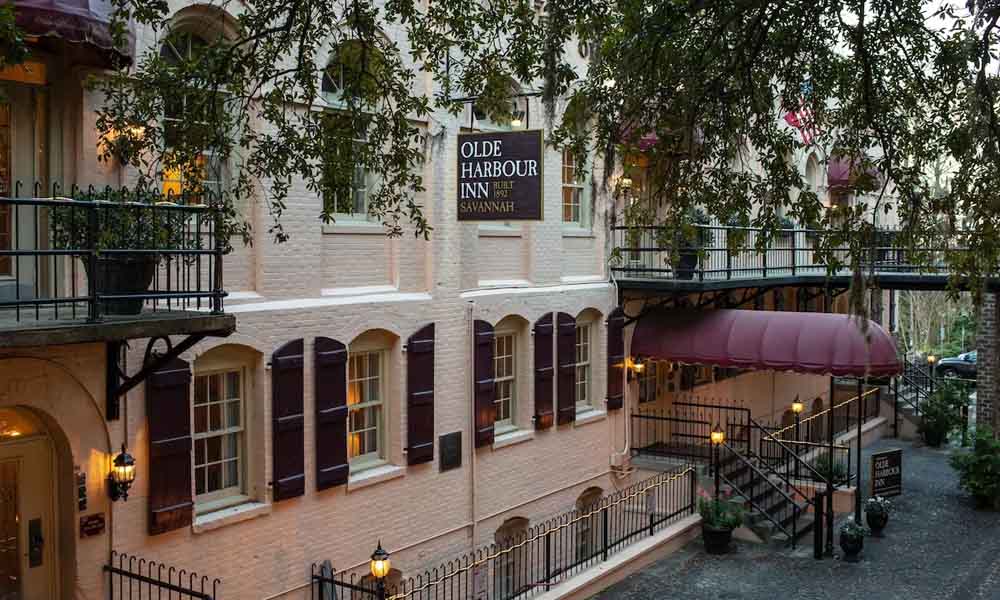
[505, 378]
[366, 408]
[572, 189]
[189, 117]
[583, 371]
[219, 436]
[345, 182]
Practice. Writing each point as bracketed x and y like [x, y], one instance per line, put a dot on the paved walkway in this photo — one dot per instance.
[936, 546]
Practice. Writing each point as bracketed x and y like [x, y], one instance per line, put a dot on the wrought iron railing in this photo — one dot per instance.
[683, 429]
[134, 578]
[544, 555]
[719, 252]
[89, 254]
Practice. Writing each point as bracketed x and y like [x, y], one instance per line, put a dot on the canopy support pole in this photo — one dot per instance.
[857, 490]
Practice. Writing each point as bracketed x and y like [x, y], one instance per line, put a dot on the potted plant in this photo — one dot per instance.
[693, 238]
[718, 520]
[877, 512]
[124, 221]
[835, 472]
[852, 539]
[979, 469]
[940, 414]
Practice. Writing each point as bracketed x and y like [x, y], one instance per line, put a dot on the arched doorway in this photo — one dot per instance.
[29, 534]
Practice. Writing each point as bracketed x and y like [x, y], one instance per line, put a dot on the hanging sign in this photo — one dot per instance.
[887, 473]
[500, 176]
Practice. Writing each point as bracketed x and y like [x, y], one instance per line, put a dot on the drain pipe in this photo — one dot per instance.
[470, 309]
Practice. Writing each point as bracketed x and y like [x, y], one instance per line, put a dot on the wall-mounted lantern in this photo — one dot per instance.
[122, 475]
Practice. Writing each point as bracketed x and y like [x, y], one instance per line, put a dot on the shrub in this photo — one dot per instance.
[834, 472]
[724, 513]
[941, 414]
[979, 469]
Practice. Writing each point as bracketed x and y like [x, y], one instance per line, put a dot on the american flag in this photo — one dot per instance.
[802, 119]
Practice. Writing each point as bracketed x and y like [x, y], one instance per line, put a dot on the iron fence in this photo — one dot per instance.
[134, 578]
[87, 253]
[719, 252]
[542, 556]
[683, 429]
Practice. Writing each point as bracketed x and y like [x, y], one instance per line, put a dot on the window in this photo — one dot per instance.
[572, 189]
[583, 366]
[509, 573]
[219, 445]
[505, 378]
[587, 528]
[345, 182]
[365, 403]
[647, 382]
[186, 117]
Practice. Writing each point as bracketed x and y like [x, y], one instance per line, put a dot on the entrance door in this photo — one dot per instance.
[27, 527]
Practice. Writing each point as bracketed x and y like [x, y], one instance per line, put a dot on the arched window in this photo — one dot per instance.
[588, 534]
[508, 577]
[368, 384]
[189, 120]
[813, 177]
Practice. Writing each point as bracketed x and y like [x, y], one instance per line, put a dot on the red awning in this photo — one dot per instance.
[818, 343]
[84, 22]
[842, 172]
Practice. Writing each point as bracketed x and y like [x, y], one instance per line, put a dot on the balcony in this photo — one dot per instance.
[641, 259]
[106, 266]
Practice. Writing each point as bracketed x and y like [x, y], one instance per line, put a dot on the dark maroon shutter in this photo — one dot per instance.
[420, 396]
[616, 359]
[330, 368]
[168, 416]
[287, 423]
[566, 356]
[485, 393]
[544, 381]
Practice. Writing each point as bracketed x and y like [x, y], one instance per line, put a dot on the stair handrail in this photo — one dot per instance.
[749, 497]
[795, 457]
[823, 412]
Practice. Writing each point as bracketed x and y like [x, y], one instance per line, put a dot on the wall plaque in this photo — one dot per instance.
[887, 473]
[91, 525]
[450, 446]
[500, 176]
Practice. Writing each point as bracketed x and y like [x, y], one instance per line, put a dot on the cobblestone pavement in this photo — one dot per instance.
[936, 546]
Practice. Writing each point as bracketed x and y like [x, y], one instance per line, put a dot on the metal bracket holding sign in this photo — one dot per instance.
[500, 176]
[887, 473]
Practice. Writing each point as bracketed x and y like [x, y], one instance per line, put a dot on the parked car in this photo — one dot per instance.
[963, 365]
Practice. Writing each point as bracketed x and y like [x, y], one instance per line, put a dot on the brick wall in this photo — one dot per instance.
[986, 345]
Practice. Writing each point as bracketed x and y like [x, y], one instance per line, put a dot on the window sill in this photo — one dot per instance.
[511, 437]
[499, 231]
[373, 476]
[229, 516]
[353, 227]
[589, 415]
[577, 232]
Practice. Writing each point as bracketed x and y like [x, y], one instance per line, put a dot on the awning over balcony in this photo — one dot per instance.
[82, 22]
[818, 343]
[842, 172]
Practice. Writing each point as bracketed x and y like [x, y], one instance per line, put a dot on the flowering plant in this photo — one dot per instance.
[724, 513]
[852, 528]
[878, 506]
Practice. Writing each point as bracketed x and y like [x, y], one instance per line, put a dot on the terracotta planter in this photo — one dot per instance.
[716, 539]
[877, 522]
[852, 546]
[122, 274]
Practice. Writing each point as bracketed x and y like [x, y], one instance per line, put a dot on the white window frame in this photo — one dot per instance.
[362, 182]
[584, 367]
[214, 180]
[509, 380]
[368, 460]
[228, 496]
[577, 185]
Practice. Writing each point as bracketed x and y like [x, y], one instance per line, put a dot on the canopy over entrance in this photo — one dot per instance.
[83, 23]
[819, 343]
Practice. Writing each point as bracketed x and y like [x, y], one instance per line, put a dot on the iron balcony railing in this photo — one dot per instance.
[87, 254]
[717, 252]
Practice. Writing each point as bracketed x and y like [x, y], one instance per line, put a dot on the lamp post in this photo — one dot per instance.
[797, 408]
[718, 437]
[379, 567]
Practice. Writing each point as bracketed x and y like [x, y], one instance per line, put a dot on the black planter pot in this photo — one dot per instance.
[934, 438]
[687, 262]
[716, 539]
[851, 545]
[119, 275]
[877, 522]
